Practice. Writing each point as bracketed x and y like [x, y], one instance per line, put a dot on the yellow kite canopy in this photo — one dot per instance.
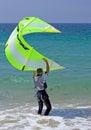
[23, 56]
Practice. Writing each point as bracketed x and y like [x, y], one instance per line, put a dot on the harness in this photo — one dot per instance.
[42, 95]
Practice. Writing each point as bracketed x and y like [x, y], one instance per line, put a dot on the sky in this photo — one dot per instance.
[54, 11]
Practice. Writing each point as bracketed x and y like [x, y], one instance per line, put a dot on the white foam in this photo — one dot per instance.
[26, 118]
[86, 107]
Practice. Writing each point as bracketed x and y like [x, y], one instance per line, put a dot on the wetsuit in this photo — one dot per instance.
[42, 96]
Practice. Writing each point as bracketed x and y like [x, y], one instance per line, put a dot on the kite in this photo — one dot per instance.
[22, 55]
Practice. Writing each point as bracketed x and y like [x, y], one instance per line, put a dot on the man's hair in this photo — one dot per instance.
[39, 70]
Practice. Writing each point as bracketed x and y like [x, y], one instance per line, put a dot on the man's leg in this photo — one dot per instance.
[48, 105]
[40, 104]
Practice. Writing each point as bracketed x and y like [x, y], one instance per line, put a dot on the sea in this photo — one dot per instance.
[69, 89]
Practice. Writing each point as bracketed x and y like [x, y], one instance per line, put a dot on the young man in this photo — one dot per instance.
[40, 85]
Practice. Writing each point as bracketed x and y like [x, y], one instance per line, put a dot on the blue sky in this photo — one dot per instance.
[63, 11]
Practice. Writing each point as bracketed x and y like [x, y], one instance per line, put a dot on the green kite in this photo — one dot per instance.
[23, 56]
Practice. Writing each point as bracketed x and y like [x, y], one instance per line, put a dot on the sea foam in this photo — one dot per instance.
[26, 118]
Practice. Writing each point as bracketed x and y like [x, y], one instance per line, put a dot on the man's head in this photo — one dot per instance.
[39, 71]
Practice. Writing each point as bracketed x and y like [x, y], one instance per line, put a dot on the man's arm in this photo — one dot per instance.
[47, 65]
[34, 73]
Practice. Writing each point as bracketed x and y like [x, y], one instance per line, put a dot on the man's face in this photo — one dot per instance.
[40, 71]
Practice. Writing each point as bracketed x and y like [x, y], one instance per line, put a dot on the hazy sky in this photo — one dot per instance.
[62, 11]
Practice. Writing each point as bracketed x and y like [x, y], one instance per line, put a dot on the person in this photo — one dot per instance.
[41, 86]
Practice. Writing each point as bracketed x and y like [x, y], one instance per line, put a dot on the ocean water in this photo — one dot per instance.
[69, 89]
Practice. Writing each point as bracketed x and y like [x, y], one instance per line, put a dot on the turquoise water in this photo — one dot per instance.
[71, 49]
